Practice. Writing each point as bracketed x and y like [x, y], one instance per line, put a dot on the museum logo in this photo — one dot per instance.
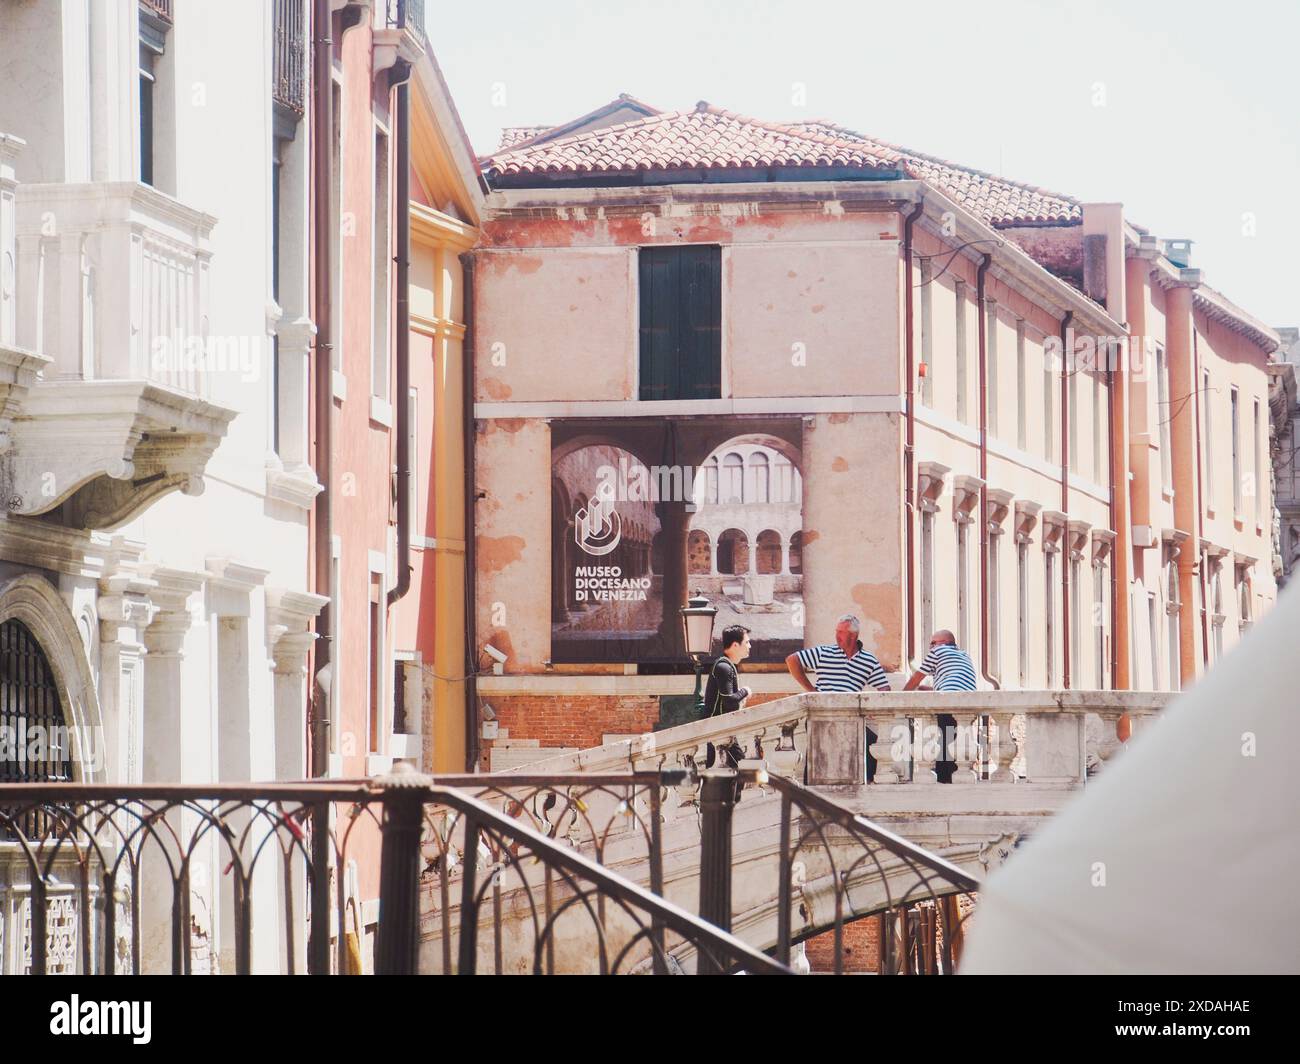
[596, 527]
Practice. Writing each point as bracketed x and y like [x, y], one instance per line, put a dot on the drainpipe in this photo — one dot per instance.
[399, 76]
[1200, 501]
[1066, 370]
[471, 497]
[322, 166]
[909, 480]
[982, 319]
[1116, 479]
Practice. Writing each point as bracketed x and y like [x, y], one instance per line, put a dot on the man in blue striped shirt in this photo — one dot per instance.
[844, 665]
[951, 669]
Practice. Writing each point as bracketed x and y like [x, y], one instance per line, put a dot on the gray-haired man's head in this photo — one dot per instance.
[846, 633]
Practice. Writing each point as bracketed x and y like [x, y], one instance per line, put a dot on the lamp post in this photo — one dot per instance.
[697, 628]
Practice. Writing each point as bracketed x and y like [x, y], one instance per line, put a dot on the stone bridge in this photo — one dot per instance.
[1020, 756]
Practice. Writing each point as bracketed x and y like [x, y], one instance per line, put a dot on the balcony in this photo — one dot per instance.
[399, 32]
[103, 396]
[288, 58]
[160, 9]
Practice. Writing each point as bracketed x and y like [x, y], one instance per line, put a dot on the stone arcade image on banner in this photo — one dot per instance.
[644, 511]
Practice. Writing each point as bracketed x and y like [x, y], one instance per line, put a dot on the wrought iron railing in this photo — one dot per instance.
[288, 60]
[835, 867]
[261, 878]
[161, 8]
[406, 14]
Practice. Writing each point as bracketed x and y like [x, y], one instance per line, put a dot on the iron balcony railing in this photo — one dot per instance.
[272, 877]
[406, 14]
[161, 8]
[289, 56]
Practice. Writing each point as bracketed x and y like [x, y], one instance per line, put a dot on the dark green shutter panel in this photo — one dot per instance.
[681, 323]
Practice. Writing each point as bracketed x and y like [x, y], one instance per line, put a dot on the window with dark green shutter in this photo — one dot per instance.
[681, 322]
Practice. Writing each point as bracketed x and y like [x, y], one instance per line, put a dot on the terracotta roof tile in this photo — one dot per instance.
[996, 200]
[705, 138]
[711, 138]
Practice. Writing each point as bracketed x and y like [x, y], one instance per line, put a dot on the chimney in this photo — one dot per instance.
[1179, 252]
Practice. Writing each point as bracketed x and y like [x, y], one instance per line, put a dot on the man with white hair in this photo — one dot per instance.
[844, 665]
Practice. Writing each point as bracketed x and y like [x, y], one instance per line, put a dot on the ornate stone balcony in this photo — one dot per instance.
[103, 402]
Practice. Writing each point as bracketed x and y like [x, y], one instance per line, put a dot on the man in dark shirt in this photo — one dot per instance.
[723, 692]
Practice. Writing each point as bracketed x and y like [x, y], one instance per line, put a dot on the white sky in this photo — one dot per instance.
[1198, 124]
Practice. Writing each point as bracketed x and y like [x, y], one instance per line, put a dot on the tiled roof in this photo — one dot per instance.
[512, 135]
[711, 138]
[996, 200]
[703, 139]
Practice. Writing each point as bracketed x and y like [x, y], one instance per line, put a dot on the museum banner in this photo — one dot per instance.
[645, 511]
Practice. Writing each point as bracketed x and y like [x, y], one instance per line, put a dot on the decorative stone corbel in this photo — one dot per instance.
[965, 496]
[930, 478]
[1054, 524]
[999, 502]
[1026, 519]
[1103, 542]
[1078, 538]
[18, 370]
[289, 615]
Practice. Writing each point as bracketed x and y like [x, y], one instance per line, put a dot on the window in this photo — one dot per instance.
[1100, 622]
[960, 288]
[1217, 617]
[991, 354]
[375, 687]
[1208, 437]
[1072, 397]
[382, 264]
[963, 590]
[762, 477]
[1256, 484]
[927, 571]
[1244, 617]
[1153, 618]
[1049, 406]
[1173, 608]
[147, 57]
[995, 602]
[1021, 399]
[1022, 607]
[1163, 413]
[927, 332]
[1076, 620]
[338, 310]
[681, 322]
[733, 480]
[413, 450]
[1049, 568]
[1099, 474]
[1236, 453]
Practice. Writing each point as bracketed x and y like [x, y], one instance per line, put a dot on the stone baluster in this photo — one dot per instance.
[967, 751]
[892, 748]
[1109, 744]
[926, 748]
[1003, 747]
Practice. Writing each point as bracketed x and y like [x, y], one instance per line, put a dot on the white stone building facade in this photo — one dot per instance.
[154, 338]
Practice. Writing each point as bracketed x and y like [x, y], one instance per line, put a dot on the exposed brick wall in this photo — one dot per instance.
[580, 721]
[574, 720]
[861, 948]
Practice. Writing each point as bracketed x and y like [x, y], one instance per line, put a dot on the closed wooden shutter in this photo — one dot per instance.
[681, 323]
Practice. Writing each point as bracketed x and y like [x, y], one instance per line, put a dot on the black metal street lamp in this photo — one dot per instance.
[697, 629]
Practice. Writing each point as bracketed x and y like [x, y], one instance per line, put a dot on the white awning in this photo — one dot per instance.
[1184, 854]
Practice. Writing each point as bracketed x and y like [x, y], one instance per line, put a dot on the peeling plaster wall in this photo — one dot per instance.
[815, 319]
[513, 540]
[852, 552]
[556, 325]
